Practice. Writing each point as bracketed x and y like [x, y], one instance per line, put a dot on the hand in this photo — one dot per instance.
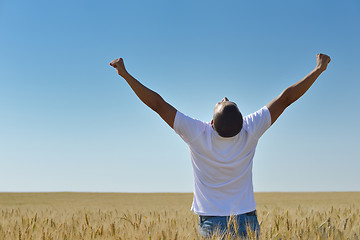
[322, 61]
[119, 65]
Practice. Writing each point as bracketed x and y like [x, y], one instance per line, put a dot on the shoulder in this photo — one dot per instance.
[257, 122]
[187, 127]
[262, 113]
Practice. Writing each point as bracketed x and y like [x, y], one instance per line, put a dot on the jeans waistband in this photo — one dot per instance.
[204, 218]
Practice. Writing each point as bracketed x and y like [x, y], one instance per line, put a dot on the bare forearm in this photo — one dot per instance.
[295, 91]
[146, 95]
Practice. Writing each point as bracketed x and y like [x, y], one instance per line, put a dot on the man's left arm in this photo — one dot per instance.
[294, 92]
[150, 98]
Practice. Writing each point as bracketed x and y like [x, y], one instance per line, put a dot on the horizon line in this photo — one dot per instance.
[171, 192]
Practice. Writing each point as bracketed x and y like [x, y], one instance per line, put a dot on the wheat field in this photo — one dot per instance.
[167, 216]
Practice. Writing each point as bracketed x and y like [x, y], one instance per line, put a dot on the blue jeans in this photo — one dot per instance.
[241, 225]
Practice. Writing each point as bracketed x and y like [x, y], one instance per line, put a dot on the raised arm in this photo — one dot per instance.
[294, 92]
[146, 95]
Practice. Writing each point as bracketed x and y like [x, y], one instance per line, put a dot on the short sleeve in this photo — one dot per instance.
[187, 127]
[258, 122]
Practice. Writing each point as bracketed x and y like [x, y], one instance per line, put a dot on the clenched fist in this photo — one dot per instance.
[322, 61]
[118, 64]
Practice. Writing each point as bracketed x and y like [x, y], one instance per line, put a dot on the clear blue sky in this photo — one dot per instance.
[69, 123]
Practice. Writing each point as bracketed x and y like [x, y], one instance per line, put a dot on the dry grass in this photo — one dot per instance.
[167, 216]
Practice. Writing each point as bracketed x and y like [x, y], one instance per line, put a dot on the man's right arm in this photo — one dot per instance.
[150, 98]
[294, 92]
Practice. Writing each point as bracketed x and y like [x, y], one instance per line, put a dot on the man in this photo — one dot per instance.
[222, 151]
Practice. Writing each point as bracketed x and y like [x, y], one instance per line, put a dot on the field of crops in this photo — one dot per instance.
[167, 216]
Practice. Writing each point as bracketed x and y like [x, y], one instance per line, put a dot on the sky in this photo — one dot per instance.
[68, 122]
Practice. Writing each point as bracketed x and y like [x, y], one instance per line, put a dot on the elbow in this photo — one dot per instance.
[287, 97]
[156, 104]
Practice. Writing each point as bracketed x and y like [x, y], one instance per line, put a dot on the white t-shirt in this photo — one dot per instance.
[222, 166]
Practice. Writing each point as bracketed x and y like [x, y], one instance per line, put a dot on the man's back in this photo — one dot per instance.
[222, 166]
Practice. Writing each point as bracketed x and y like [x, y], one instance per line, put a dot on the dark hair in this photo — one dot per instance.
[228, 121]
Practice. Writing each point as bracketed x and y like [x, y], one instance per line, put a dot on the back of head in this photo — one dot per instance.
[227, 120]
